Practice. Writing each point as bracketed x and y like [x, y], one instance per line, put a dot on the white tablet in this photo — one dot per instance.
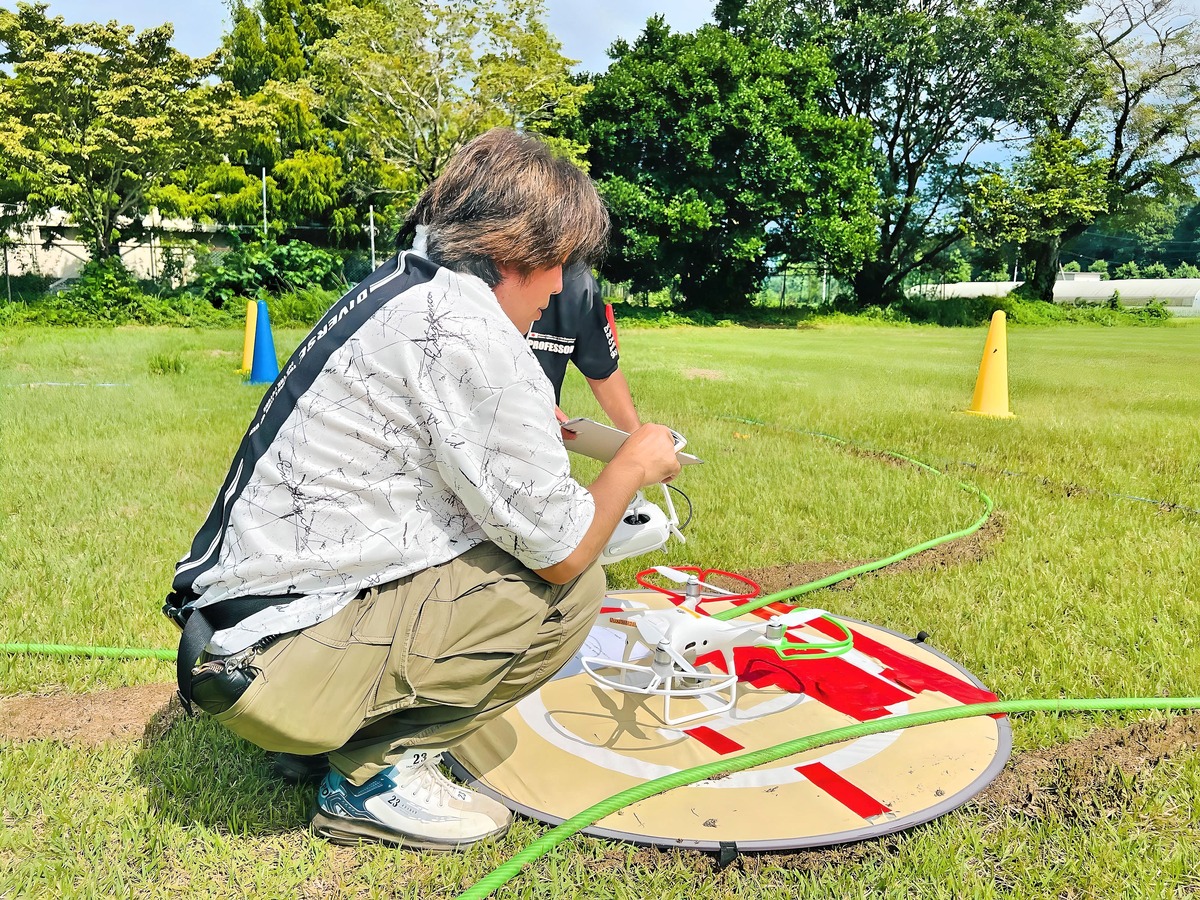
[602, 441]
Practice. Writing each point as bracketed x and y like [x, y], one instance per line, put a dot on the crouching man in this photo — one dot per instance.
[398, 553]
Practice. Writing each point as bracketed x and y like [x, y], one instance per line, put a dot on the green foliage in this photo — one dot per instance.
[973, 311]
[1108, 313]
[272, 40]
[933, 80]
[1186, 270]
[255, 270]
[1058, 185]
[96, 116]
[106, 294]
[1156, 270]
[25, 287]
[317, 170]
[715, 158]
[914, 309]
[1101, 266]
[302, 308]
[1072, 266]
[1129, 90]
[950, 268]
[1127, 270]
[633, 316]
[415, 80]
[170, 363]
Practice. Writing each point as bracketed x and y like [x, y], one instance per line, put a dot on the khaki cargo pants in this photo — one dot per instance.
[419, 662]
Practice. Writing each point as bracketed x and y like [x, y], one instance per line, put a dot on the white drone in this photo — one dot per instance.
[674, 638]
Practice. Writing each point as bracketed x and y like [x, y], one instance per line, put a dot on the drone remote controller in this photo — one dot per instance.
[645, 527]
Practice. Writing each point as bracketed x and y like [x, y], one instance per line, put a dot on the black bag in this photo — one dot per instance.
[198, 627]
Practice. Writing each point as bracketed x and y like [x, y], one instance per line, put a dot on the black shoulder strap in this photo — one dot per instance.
[199, 625]
[298, 374]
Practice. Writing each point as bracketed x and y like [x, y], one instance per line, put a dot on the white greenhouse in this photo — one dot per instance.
[1180, 295]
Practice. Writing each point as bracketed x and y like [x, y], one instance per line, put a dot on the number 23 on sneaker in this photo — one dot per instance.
[412, 804]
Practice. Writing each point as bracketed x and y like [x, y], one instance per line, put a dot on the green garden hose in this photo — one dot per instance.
[107, 652]
[551, 839]
[788, 593]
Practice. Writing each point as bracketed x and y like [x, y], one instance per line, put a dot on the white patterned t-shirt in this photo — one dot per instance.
[412, 424]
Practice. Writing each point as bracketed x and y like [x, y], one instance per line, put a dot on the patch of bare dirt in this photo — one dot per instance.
[1095, 775]
[878, 456]
[93, 718]
[1069, 489]
[971, 548]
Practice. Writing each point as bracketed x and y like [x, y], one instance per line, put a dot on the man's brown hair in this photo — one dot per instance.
[506, 200]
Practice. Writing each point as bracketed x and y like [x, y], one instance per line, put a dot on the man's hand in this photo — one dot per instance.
[653, 448]
[567, 435]
[647, 457]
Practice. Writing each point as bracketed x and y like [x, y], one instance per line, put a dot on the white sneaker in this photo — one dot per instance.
[412, 804]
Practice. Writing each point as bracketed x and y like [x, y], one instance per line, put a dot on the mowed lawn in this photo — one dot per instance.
[114, 443]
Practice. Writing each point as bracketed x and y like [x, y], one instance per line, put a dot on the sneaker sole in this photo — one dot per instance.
[351, 832]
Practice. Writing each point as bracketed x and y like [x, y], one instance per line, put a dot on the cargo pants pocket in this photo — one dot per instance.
[463, 647]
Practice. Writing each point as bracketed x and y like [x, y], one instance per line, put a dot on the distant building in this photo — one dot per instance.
[1180, 295]
[50, 246]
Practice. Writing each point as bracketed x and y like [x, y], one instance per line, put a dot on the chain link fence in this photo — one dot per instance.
[36, 264]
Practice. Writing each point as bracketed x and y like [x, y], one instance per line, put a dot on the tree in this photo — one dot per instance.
[95, 117]
[715, 158]
[936, 79]
[415, 80]
[1133, 89]
[1059, 185]
[316, 173]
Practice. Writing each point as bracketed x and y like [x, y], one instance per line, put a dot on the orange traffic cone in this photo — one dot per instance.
[991, 388]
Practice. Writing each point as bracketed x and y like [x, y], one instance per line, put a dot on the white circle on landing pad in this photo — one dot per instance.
[573, 743]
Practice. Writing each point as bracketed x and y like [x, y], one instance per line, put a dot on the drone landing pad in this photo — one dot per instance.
[573, 743]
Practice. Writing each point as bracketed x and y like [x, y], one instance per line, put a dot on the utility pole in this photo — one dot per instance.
[371, 229]
[153, 264]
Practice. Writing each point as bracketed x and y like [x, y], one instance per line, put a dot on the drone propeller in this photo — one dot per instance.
[651, 630]
[680, 577]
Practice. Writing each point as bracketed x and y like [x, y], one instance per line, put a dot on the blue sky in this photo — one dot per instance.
[585, 36]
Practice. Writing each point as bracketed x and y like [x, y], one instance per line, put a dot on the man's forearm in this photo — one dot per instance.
[612, 393]
[646, 457]
[612, 491]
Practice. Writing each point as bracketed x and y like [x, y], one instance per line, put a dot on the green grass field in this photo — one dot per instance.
[114, 443]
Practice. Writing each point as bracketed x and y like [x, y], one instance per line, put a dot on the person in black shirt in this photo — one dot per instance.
[578, 327]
